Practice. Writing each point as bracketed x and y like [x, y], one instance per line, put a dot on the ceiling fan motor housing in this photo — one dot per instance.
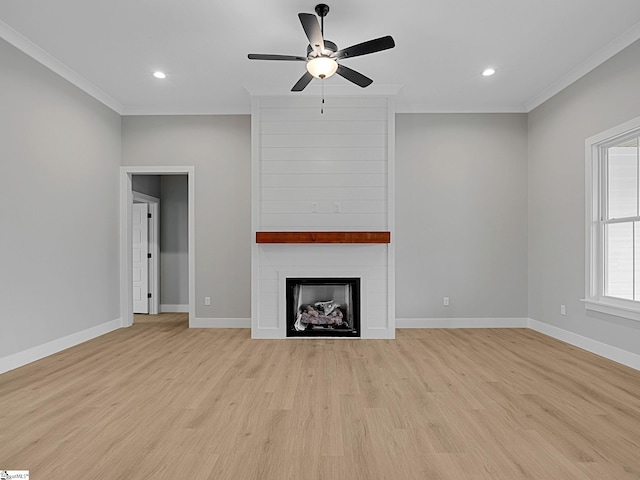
[328, 45]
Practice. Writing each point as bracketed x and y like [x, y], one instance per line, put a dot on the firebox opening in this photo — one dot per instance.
[323, 307]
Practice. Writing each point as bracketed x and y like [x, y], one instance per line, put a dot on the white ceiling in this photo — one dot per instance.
[111, 48]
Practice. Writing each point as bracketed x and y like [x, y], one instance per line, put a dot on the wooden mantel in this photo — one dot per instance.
[323, 237]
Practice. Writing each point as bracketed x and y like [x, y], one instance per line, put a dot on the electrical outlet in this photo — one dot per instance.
[336, 207]
[563, 310]
[207, 300]
[445, 301]
[314, 207]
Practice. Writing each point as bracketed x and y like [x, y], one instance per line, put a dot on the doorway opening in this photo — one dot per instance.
[126, 236]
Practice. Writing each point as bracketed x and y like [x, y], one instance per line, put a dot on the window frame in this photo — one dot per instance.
[595, 193]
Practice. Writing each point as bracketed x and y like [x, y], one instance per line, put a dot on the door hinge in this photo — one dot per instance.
[148, 255]
[148, 295]
[148, 215]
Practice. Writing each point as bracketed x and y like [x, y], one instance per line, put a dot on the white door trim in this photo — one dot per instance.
[154, 249]
[126, 200]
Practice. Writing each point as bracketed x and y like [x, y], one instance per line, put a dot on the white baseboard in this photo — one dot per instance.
[607, 351]
[604, 350]
[462, 322]
[168, 308]
[220, 323]
[377, 334]
[36, 353]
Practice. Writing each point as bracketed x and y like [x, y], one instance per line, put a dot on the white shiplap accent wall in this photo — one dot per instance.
[330, 171]
[313, 164]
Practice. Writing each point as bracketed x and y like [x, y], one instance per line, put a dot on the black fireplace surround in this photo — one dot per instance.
[323, 307]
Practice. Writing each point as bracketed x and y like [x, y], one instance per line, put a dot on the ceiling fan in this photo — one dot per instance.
[323, 55]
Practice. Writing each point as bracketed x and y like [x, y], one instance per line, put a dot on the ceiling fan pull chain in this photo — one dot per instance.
[322, 105]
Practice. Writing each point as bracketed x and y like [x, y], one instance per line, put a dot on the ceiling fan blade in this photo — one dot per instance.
[312, 29]
[260, 56]
[303, 82]
[364, 48]
[353, 76]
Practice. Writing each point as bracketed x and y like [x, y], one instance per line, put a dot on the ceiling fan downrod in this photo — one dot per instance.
[321, 10]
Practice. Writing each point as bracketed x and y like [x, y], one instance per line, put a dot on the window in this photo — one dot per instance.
[613, 221]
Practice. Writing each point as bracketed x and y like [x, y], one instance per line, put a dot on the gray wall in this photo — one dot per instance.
[606, 97]
[147, 184]
[174, 240]
[59, 247]
[461, 209]
[461, 206]
[219, 147]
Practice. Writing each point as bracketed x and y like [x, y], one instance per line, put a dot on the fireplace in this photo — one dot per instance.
[323, 307]
[322, 213]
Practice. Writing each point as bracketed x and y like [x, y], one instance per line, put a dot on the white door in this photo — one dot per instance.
[140, 233]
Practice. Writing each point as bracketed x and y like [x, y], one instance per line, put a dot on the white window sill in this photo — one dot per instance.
[612, 307]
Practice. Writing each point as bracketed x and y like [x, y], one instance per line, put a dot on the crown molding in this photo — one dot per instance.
[29, 48]
[409, 108]
[142, 110]
[616, 46]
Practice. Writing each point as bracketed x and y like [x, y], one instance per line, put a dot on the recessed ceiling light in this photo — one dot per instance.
[159, 75]
[488, 72]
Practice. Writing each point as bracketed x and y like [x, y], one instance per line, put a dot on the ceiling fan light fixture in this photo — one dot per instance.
[322, 67]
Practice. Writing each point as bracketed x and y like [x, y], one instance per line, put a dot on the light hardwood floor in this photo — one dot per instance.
[161, 401]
